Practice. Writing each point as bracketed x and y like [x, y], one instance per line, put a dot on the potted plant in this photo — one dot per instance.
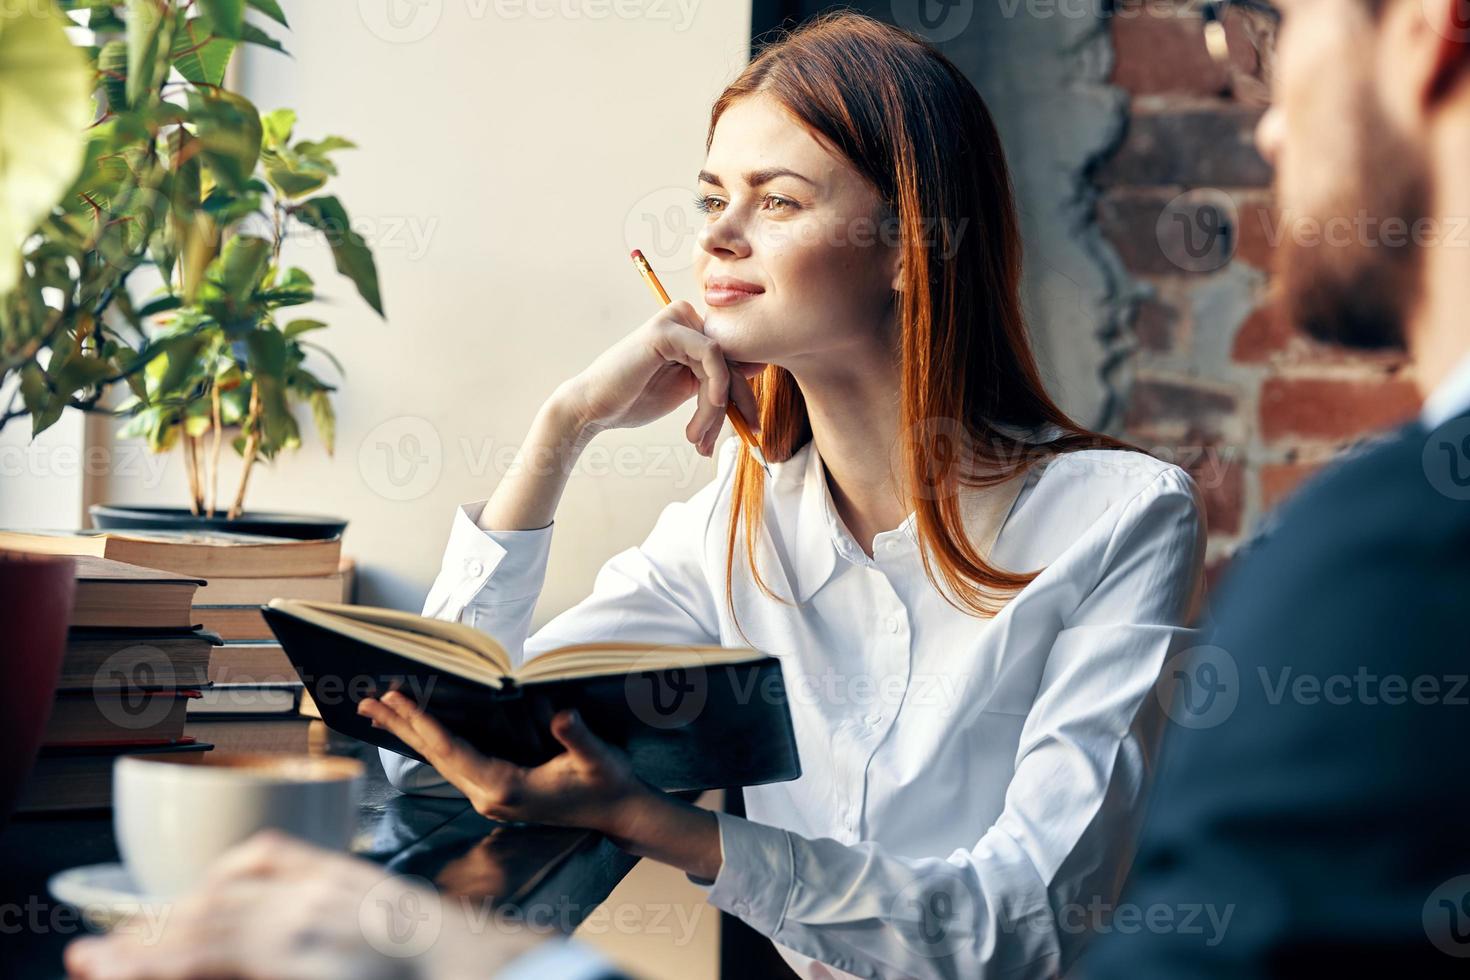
[43, 104]
[162, 268]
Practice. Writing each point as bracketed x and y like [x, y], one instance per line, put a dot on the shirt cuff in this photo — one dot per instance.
[516, 560]
[564, 959]
[755, 878]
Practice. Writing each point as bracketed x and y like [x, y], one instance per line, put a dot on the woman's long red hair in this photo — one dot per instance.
[917, 129]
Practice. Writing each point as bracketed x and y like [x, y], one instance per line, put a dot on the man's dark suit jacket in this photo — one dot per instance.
[1328, 809]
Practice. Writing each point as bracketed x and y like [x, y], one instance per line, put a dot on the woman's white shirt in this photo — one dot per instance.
[971, 787]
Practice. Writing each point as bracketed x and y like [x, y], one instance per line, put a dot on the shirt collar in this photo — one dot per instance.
[821, 536]
[1449, 399]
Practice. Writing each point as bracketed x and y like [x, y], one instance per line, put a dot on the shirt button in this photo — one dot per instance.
[891, 545]
[474, 568]
[892, 623]
[741, 909]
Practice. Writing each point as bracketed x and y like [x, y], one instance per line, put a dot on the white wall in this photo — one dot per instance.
[501, 160]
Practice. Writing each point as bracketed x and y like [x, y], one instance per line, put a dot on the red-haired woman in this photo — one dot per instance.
[975, 596]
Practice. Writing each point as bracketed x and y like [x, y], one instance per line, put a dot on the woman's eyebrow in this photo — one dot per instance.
[756, 178]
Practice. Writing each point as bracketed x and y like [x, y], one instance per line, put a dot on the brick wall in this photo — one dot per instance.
[1213, 376]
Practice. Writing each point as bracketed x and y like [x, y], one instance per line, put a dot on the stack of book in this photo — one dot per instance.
[250, 697]
[255, 702]
[133, 662]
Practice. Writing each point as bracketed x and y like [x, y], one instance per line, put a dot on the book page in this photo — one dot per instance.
[592, 659]
[435, 642]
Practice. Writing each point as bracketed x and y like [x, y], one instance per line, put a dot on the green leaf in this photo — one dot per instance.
[292, 176]
[354, 259]
[146, 29]
[320, 149]
[112, 65]
[276, 127]
[271, 9]
[200, 57]
[326, 419]
[45, 408]
[227, 17]
[297, 327]
[230, 129]
[243, 262]
[45, 101]
[268, 365]
[254, 35]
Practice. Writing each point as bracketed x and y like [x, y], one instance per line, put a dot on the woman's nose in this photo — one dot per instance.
[1270, 131]
[723, 235]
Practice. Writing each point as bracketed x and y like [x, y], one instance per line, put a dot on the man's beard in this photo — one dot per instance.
[1358, 294]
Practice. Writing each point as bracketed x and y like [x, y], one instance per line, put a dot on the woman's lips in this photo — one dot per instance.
[726, 296]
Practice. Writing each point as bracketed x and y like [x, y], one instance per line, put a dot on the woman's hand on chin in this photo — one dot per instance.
[590, 785]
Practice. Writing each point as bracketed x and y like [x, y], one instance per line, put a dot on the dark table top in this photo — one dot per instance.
[557, 875]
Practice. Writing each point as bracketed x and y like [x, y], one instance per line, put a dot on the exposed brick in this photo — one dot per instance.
[1197, 147]
[1155, 324]
[1258, 229]
[1221, 480]
[1177, 409]
[1280, 480]
[1265, 332]
[1163, 52]
[1162, 232]
[1334, 408]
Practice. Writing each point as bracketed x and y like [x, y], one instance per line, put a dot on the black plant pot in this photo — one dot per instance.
[310, 527]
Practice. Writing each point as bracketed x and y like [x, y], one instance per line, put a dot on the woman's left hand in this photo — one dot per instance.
[589, 785]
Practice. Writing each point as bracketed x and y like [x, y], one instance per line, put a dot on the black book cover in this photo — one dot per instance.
[683, 728]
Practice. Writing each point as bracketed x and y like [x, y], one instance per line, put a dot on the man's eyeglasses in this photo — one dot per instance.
[1240, 36]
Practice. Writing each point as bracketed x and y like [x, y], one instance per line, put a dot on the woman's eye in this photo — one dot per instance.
[713, 205]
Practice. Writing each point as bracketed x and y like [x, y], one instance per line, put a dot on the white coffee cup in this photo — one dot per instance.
[173, 815]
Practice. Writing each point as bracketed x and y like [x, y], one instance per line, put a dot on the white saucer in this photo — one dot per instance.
[104, 893]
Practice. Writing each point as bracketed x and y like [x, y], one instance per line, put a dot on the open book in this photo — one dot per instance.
[689, 716]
